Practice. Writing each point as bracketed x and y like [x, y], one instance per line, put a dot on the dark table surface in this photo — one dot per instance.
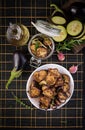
[12, 113]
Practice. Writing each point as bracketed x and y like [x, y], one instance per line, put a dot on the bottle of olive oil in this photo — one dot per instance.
[17, 34]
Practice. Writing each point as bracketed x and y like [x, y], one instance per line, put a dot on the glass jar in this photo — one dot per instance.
[41, 46]
[17, 34]
[38, 50]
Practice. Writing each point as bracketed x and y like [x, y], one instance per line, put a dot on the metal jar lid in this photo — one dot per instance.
[46, 28]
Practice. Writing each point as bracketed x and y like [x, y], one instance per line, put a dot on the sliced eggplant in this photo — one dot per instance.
[62, 96]
[83, 38]
[63, 34]
[34, 92]
[81, 35]
[65, 87]
[66, 78]
[58, 20]
[74, 28]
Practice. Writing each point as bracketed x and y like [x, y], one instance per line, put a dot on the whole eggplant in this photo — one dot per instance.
[77, 10]
[19, 61]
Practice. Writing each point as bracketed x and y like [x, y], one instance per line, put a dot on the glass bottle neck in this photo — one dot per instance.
[14, 32]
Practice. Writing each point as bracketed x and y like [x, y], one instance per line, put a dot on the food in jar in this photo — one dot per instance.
[41, 46]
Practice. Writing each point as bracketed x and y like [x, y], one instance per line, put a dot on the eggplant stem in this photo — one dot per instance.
[14, 74]
[54, 12]
[9, 81]
[57, 9]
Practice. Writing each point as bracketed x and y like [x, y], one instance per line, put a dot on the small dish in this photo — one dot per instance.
[62, 70]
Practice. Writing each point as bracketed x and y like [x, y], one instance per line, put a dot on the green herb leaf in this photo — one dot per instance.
[21, 102]
[37, 45]
[68, 44]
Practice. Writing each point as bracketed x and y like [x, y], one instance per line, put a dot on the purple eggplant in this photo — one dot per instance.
[77, 10]
[19, 61]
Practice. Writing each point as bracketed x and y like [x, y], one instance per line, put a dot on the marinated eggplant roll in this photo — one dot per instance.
[54, 72]
[50, 79]
[34, 92]
[66, 78]
[65, 87]
[40, 75]
[44, 87]
[43, 82]
[41, 52]
[59, 82]
[57, 102]
[48, 92]
[44, 102]
[62, 95]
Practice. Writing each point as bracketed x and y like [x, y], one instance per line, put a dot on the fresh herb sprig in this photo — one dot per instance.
[37, 45]
[68, 44]
[20, 102]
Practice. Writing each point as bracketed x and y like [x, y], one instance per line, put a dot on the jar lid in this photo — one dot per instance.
[46, 28]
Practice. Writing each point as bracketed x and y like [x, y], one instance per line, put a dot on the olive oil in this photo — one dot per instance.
[17, 34]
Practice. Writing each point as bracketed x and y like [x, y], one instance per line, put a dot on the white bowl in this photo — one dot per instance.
[35, 101]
